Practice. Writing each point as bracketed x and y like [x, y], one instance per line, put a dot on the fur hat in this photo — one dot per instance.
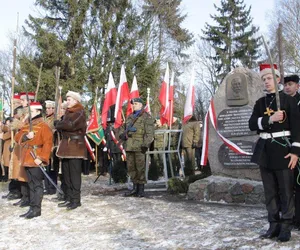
[291, 78]
[23, 95]
[75, 95]
[266, 69]
[50, 104]
[36, 105]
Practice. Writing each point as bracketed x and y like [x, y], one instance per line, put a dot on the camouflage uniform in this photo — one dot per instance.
[137, 141]
[190, 140]
[156, 168]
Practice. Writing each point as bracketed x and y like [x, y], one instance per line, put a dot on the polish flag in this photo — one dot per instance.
[134, 93]
[190, 100]
[164, 97]
[110, 99]
[123, 95]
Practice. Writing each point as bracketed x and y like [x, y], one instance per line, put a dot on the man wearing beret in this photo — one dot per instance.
[72, 148]
[276, 152]
[291, 86]
[139, 134]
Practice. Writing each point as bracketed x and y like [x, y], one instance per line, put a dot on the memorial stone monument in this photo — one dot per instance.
[233, 104]
[235, 179]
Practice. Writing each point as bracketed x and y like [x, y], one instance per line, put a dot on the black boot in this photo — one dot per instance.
[133, 192]
[5, 177]
[33, 213]
[18, 203]
[64, 204]
[285, 232]
[141, 192]
[28, 212]
[272, 232]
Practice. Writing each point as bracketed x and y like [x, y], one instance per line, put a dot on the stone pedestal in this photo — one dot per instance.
[229, 190]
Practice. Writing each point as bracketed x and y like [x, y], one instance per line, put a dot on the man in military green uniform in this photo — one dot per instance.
[139, 134]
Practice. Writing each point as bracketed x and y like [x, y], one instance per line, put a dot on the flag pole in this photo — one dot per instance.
[96, 146]
[12, 94]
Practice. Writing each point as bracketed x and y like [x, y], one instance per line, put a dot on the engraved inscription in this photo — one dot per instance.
[230, 159]
[234, 122]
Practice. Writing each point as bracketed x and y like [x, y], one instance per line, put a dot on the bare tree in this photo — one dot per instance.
[287, 12]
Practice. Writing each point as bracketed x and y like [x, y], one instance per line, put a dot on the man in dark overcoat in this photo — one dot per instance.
[291, 87]
[72, 148]
[276, 153]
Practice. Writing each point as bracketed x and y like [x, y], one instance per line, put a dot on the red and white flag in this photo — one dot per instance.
[134, 93]
[123, 95]
[190, 100]
[110, 99]
[164, 97]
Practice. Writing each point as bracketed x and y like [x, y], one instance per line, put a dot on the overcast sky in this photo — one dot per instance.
[198, 12]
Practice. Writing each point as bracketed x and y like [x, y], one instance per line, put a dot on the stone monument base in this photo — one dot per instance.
[230, 190]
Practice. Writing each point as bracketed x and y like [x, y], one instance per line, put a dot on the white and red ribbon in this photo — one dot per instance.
[211, 113]
[120, 146]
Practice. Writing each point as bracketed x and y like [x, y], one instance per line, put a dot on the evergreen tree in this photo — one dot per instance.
[233, 36]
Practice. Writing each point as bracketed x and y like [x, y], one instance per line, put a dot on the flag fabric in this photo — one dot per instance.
[93, 123]
[94, 129]
[97, 136]
[164, 98]
[110, 99]
[89, 148]
[134, 93]
[190, 100]
[123, 95]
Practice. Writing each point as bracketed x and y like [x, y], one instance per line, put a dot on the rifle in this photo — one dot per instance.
[130, 128]
[38, 82]
[12, 95]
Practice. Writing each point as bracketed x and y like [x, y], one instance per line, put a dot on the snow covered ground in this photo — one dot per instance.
[107, 220]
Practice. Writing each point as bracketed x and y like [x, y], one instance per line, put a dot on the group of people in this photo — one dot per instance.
[276, 118]
[36, 147]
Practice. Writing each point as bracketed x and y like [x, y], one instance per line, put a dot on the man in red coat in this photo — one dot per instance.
[35, 141]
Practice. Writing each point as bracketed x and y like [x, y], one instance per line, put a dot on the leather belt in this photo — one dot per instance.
[274, 135]
[32, 146]
[73, 137]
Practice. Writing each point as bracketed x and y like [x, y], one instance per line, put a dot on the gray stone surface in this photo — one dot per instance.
[237, 166]
[229, 190]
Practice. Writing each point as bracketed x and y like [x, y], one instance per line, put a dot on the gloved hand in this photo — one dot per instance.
[132, 129]
[144, 149]
[123, 136]
[11, 149]
[194, 145]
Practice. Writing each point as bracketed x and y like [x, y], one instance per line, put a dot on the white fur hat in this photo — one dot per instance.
[50, 104]
[75, 95]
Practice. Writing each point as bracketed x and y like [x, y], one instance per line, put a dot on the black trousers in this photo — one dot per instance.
[72, 178]
[36, 189]
[297, 196]
[279, 194]
[14, 186]
[25, 191]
